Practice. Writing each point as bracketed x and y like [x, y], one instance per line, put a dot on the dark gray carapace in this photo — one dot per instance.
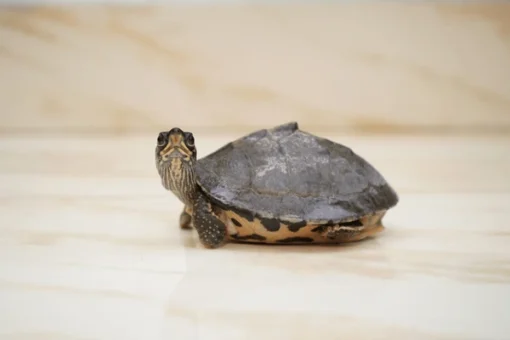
[291, 175]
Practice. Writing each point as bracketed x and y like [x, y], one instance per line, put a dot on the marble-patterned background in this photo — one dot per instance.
[365, 67]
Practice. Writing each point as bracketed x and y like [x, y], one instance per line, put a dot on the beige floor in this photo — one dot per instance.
[90, 249]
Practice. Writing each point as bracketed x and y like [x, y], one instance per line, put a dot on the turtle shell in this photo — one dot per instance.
[292, 175]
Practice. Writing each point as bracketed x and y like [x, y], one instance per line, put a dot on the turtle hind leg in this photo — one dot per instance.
[341, 234]
[185, 218]
[212, 232]
[353, 231]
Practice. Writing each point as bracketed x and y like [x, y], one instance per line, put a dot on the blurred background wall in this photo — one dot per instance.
[350, 66]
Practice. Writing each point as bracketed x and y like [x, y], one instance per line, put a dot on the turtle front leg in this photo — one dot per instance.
[212, 232]
[185, 218]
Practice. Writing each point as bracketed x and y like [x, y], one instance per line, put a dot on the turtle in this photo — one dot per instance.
[279, 185]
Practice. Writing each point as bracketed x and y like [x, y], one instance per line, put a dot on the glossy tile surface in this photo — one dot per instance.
[90, 249]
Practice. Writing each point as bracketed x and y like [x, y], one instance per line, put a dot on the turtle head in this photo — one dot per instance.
[176, 155]
[176, 144]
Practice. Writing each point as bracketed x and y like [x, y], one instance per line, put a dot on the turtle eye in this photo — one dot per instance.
[161, 139]
[190, 140]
